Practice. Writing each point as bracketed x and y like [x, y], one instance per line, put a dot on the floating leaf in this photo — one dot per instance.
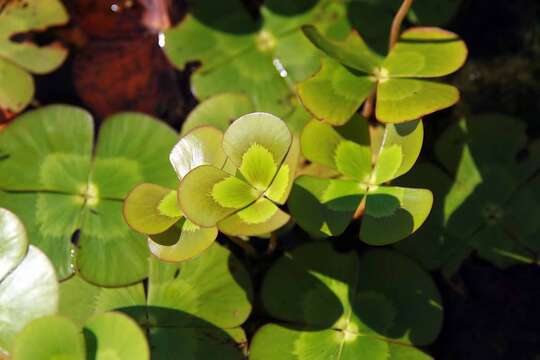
[28, 288]
[266, 154]
[381, 304]
[13, 242]
[258, 58]
[402, 93]
[151, 209]
[487, 206]
[393, 213]
[18, 59]
[115, 335]
[324, 207]
[193, 309]
[218, 111]
[63, 189]
[335, 92]
[50, 337]
[201, 146]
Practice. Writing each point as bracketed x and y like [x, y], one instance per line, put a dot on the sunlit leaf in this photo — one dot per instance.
[400, 100]
[50, 337]
[17, 58]
[151, 209]
[28, 292]
[335, 92]
[201, 146]
[13, 242]
[352, 52]
[218, 111]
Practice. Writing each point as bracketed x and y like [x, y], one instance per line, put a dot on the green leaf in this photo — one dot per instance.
[13, 242]
[258, 167]
[17, 58]
[425, 52]
[262, 129]
[201, 146]
[259, 218]
[393, 213]
[281, 185]
[323, 144]
[234, 193]
[400, 100]
[335, 92]
[193, 309]
[28, 292]
[63, 188]
[352, 52]
[400, 147]
[218, 111]
[151, 209]
[482, 204]
[17, 96]
[324, 207]
[50, 337]
[345, 306]
[258, 58]
[182, 241]
[115, 335]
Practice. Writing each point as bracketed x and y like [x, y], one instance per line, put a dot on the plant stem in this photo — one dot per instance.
[246, 246]
[396, 23]
[272, 243]
[367, 110]
[359, 210]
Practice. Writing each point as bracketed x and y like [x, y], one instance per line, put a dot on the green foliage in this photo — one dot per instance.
[105, 336]
[399, 80]
[240, 194]
[192, 310]
[324, 207]
[68, 189]
[19, 59]
[28, 285]
[490, 204]
[377, 305]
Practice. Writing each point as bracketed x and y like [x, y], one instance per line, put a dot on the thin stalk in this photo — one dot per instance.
[244, 245]
[367, 110]
[396, 23]
[272, 243]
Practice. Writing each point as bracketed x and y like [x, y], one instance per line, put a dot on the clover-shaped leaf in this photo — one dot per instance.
[19, 59]
[324, 207]
[107, 335]
[258, 58]
[379, 305]
[193, 309]
[153, 210]
[64, 188]
[489, 204]
[399, 80]
[241, 196]
[28, 285]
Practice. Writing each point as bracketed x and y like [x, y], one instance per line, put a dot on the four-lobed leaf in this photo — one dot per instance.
[19, 59]
[379, 305]
[324, 207]
[28, 284]
[354, 72]
[488, 205]
[69, 191]
[241, 196]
